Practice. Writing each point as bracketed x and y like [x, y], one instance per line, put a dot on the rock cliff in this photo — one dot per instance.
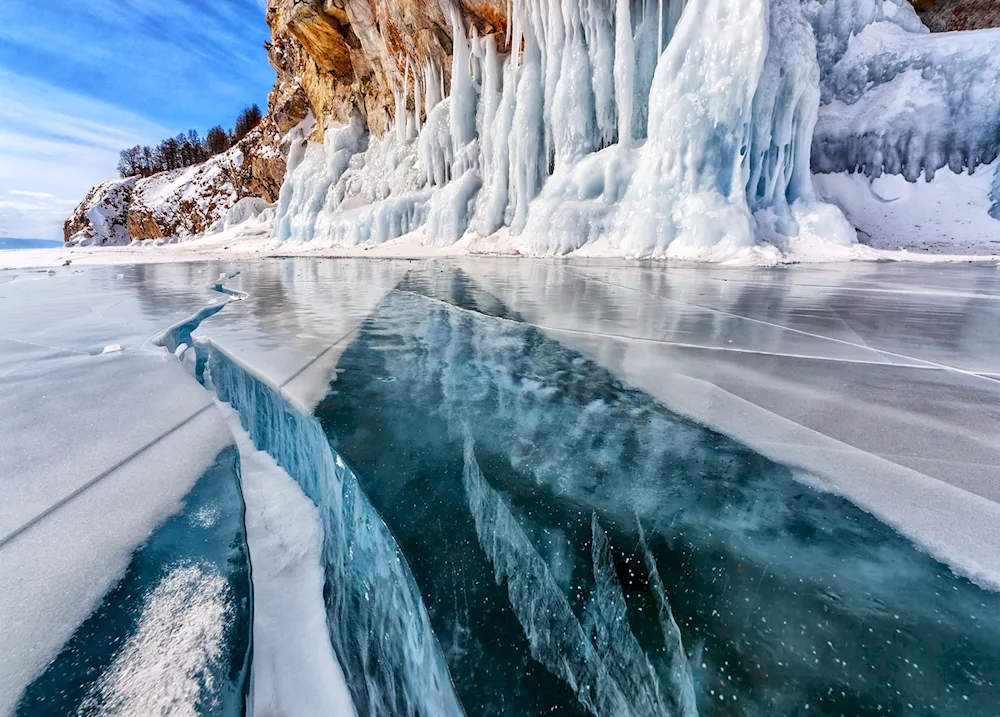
[334, 56]
[181, 202]
[337, 55]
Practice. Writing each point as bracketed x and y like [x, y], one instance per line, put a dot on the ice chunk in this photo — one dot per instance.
[296, 673]
[244, 210]
[376, 619]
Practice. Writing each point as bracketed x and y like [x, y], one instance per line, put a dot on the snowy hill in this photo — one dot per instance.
[179, 203]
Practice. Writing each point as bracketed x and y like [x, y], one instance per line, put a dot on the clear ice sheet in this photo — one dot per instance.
[785, 593]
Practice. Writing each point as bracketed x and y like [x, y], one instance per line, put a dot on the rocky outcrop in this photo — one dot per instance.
[347, 54]
[951, 15]
[182, 202]
[102, 216]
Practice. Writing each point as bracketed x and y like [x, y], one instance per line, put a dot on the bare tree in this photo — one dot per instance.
[248, 119]
[216, 141]
[186, 149]
[129, 161]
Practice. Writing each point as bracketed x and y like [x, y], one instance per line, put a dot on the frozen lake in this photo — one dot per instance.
[543, 487]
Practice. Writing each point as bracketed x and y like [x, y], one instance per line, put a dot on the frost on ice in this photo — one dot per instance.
[652, 128]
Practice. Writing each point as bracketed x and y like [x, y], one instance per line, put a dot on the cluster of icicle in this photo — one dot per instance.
[898, 99]
[648, 128]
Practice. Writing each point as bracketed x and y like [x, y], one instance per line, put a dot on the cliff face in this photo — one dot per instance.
[951, 15]
[337, 55]
[333, 56]
[335, 59]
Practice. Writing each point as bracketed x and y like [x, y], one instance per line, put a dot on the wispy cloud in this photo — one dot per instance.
[186, 63]
[33, 195]
[55, 145]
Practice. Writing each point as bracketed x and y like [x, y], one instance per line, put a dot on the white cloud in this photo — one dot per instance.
[54, 146]
[36, 195]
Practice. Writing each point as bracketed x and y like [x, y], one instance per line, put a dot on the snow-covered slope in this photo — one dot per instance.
[182, 203]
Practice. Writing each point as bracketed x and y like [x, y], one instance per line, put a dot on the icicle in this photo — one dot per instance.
[432, 85]
[406, 93]
[493, 199]
[573, 122]
[995, 195]
[527, 139]
[463, 93]
[399, 94]
[599, 36]
[624, 70]
[687, 198]
[516, 38]
[416, 101]
[659, 26]
[553, 47]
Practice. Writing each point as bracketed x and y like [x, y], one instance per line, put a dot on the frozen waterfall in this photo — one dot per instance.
[651, 128]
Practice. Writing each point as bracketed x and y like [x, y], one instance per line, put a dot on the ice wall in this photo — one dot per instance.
[688, 196]
[639, 127]
[899, 100]
[378, 624]
[654, 128]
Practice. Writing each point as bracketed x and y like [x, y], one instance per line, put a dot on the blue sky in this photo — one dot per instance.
[82, 79]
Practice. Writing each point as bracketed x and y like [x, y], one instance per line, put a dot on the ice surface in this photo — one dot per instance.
[605, 665]
[296, 318]
[761, 562]
[532, 487]
[755, 355]
[112, 449]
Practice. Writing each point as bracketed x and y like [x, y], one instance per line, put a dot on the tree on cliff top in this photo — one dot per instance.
[216, 141]
[186, 150]
[248, 119]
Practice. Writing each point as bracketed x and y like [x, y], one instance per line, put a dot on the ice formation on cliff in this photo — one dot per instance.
[653, 128]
